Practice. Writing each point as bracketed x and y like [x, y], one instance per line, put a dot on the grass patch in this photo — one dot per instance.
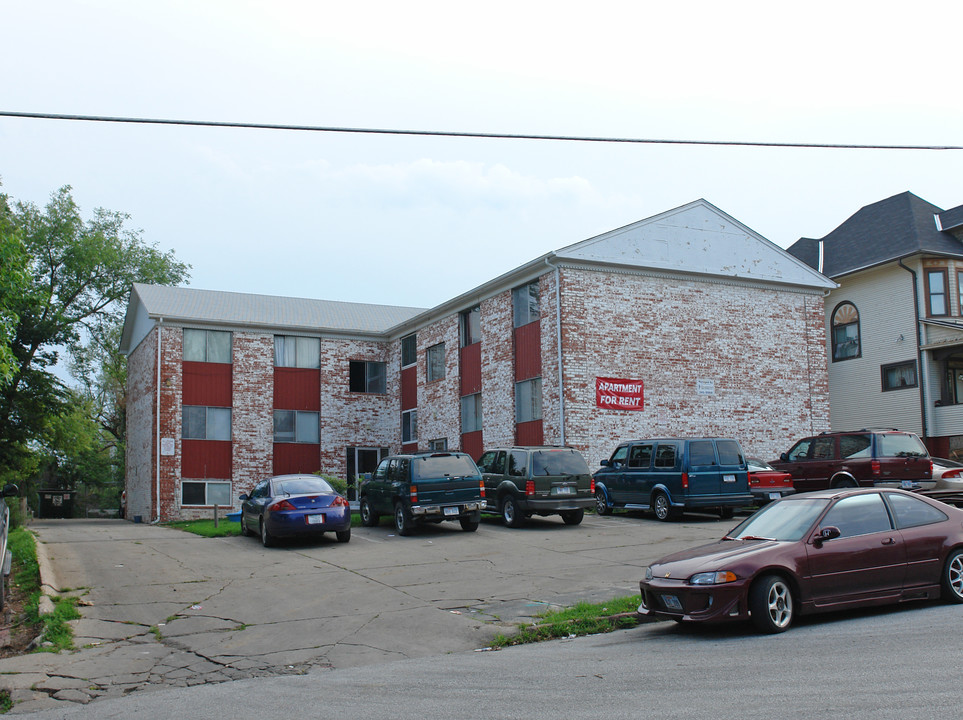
[54, 626]
[225, 527]
[582, 619]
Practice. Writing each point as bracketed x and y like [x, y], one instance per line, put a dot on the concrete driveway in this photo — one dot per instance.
[166, 608]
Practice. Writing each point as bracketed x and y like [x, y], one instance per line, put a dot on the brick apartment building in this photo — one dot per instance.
[687, 323]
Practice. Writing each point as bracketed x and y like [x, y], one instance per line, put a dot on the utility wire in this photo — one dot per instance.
[480, 135]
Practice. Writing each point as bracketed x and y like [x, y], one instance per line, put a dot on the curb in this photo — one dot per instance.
[48, 580]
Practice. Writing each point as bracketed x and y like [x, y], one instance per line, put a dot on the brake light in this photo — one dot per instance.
[592, 486]
[952, 473]
[414, 494]
[874, 467]
[339, 502]
[481, 487]
[281, 505]
[685, 481]
[530, 488]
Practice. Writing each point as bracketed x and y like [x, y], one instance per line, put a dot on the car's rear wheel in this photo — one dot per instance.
[843, 482]
[511, 515]
[573, 517]
[952, 580]
[470, 523]
[771, 605]
[368, 518]
[344, 536]
[601, 503]
[404, 525]
[267, 540]
[662, 507]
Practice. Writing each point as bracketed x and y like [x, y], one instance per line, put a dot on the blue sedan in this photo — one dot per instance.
[294, 505]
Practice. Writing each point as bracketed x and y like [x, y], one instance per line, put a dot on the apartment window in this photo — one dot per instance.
[471, 413]
[845, 332]
[367, 377]
[409, 350]
[205, 493]
[436, 362]
[439, 445]
[206, 423]
[409, 426]
[899, 375]
[471, 326]
[528, 400]
[212, 346]
[525, 303]
[297, 352]
[296, 426]
[938, 300]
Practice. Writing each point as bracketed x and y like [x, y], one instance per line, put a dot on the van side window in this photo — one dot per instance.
[665, 456]
[640, 456]
[729, 453]
[619, 456]
[701, 453]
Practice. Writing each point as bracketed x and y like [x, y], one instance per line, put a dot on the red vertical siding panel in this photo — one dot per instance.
[297, 389]
[206, 459]
[409, 388]
[471, 443]
[528, 351]
[296, 458]
[529, 433]
[409, 447]
[471, 369]
[207, 384]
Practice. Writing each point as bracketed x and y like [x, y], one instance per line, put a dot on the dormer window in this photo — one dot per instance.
[937, 298]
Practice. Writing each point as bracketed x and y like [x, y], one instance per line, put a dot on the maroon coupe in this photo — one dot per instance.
[814, 552]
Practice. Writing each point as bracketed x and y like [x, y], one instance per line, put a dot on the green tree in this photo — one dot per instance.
[79, 276]
[13, 283]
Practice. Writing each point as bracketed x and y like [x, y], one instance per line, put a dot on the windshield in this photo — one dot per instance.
[438, 466]
[558, 462]
[302, 486]
[787, 520]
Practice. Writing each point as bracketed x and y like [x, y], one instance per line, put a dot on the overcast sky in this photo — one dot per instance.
[416, 221]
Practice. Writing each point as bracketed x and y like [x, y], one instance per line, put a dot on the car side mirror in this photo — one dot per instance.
[242, 496]
[483, 468]
[10, 490]
[830, 532]
[605, 463]
[784, 457]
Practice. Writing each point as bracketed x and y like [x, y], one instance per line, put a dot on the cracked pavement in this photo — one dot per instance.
[163, 608]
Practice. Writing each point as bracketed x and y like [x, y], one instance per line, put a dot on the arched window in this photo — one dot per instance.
[845, 332]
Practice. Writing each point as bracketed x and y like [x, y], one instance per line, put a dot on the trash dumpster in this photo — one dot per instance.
[56, 504]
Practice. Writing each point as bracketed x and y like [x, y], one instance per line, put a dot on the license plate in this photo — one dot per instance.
[315, 519]
[774, 496]
[672, 602]
[908, 484]
[728, 478]
[563, 490]
[451, 511]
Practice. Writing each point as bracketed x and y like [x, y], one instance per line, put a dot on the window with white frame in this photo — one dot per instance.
[205, 492]
[436, 362]
[297, 352]
[528, 400]
[366, 377]
[212, 346]
[296, 426]
[471, 413]
[409, 350]
[205, 423]
[525, 303]
[409, 426]
[438, 445]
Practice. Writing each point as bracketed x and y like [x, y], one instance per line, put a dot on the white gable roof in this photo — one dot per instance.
[699, 239]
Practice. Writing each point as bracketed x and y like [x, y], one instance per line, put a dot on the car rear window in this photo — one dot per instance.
[302, 486]
[558, 462]
[436, 466]
[901, 445]
[729, 452]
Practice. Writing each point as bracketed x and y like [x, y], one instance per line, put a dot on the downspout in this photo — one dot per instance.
[919, 351]
[160, 328]
[558, 342]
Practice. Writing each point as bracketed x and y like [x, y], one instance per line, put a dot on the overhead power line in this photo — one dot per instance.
[457, 134]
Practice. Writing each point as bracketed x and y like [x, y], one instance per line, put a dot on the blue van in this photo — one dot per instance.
[672, 475]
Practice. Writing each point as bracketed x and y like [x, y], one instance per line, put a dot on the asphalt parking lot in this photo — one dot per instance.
[165, 608]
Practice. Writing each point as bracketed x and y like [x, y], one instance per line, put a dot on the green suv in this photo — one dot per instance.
[424, 487]
[542, 480]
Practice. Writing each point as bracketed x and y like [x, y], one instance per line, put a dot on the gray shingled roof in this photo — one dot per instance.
[896, 227]
[952, 219]
[233, 308]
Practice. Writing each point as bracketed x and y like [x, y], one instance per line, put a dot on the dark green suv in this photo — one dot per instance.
[543, 480]
[424, 487]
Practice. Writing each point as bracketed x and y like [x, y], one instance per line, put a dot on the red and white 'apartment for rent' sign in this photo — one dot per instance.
[617, 394]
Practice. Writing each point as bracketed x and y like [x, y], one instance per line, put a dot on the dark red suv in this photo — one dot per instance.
[869, 457]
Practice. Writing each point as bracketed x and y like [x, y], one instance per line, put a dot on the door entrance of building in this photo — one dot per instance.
[361, 460]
